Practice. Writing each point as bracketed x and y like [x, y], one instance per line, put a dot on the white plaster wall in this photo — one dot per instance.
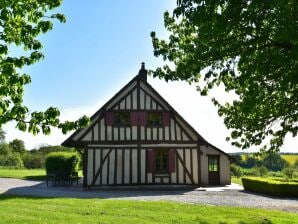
[225, 177]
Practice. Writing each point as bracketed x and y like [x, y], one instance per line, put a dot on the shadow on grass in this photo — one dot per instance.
[39, 177]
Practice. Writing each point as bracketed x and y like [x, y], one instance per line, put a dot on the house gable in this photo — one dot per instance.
[131, 150]
[137, 95]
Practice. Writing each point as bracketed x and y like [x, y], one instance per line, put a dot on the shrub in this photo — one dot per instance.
[251, 172]
[33, 160]
[263, 171]
[276, 174]
[12, 160]
[236, 170]
[270, 187]
[62, 162]
[289, 172]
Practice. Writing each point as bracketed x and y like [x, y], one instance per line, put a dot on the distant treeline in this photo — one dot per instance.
[14, 154]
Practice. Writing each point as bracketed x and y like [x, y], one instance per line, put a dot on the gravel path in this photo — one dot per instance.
[229, 196]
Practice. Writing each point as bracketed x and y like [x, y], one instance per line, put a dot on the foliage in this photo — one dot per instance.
[250, 162]
[271, 187]
[62, 162]
[33, 160]
[29, 159]
[2, 136]
[274, 162]
[21, 22]
[11, 159]
[262, 170]
[238, 159]
[289, 172]
[18, 145]
[236, 170]
[5, 149]
[33, 210]
[248, 46]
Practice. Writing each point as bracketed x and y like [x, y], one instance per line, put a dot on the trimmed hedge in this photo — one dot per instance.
[270, 187]
[62, 162]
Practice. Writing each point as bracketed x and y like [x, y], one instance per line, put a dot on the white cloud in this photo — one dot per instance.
[198, 111]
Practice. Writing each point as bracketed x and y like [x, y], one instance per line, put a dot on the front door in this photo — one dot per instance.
[213, 170]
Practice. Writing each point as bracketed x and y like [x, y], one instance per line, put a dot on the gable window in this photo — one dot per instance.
[154, 119]
[162, 158]
[121, 118]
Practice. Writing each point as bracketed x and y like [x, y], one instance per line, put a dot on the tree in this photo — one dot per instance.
[250, 162]
[248, 46]
[2, 136]
[5, 149]
[274, 162]
[20, 24]
[18, 145]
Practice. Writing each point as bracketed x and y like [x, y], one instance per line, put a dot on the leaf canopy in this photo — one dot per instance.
[21, 22]
[249, 46]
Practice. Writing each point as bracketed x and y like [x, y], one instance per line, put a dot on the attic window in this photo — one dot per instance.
[154, 119]
[122, 118]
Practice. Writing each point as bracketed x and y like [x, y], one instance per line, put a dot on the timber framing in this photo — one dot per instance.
[124, 155]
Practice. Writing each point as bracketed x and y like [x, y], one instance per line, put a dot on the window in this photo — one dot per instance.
[122, 118]
[154, 119]
[162, 161]
[213, 164]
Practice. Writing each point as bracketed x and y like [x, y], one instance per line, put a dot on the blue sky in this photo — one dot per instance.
[97, 51]
[102, 42]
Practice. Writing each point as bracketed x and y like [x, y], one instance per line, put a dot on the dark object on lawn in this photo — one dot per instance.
[61, 178]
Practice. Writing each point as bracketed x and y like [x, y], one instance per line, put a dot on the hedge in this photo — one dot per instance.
[270, 187]
[62, 162]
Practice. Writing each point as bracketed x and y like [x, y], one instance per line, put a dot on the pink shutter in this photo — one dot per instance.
[166, 118]
[133, 118]
[142, 118]
[109, 118]
[151, 161]
[172, 160]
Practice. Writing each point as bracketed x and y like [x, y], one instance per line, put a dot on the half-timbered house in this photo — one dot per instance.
[137, 138]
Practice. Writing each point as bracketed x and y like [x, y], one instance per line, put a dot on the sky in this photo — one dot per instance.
[95, 53]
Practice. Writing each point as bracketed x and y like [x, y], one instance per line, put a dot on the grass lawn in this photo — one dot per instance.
[26, 174]
[16, 209]
[236, 180]
[33, 174]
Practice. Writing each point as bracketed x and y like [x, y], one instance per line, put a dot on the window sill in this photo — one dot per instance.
[162, 174]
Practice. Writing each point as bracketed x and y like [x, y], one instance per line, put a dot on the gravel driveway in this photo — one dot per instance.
[230, 196]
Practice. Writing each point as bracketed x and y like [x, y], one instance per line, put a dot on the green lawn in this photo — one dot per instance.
[236, 180]
[33, 174]
[26, 174]
[16, 209]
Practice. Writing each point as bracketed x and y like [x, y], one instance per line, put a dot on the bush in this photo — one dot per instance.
[270, 187]
[62, 162]
[289, 172]
[12, 160]
[263, 171]
[33, 160]
[236, 170]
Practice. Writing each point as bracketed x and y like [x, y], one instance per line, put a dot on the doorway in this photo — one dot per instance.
[213, 170]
